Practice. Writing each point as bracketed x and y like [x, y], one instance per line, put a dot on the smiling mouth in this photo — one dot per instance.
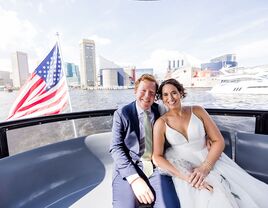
[172, 102]
[146, 101]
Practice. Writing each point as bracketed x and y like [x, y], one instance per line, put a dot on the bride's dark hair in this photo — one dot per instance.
[173, 82]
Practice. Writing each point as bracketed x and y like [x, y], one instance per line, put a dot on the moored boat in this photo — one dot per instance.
[242, 81]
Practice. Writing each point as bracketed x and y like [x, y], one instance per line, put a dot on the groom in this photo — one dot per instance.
[135, 181]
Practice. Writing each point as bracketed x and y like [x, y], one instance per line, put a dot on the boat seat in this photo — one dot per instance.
[55, 175]
[228, 150]
[100, 196]
[251, 153]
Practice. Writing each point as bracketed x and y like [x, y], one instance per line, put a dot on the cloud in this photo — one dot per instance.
[15, 30]
[159, 60]
[40, 8]
[238, 31]
[100, 40]
[18, 34]
[257, 50]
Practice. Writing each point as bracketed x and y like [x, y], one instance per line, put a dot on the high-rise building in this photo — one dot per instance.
[72, 74]
[20, 68]
[5, 78]
[88, 75]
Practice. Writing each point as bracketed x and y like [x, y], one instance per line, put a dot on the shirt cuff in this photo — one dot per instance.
[131, 178]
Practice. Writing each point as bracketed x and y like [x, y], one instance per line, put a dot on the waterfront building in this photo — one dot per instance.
[186, 70]
[112, 77]
[88, 76]
[104, 63]
[215, 64]
[130, 72]
[5, 78]
[72, 74]
[20, 68]
[139, 72]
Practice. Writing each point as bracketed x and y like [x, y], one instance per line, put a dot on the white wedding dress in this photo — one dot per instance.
[232, 186]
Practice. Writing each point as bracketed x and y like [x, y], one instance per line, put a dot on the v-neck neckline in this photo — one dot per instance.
[186, 137]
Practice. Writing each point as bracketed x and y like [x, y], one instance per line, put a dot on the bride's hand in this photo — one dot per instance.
[198, 175]
[205, 185]
[184, 177]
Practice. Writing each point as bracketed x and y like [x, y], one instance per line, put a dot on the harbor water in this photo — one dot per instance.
[82, 100]
[20, 140]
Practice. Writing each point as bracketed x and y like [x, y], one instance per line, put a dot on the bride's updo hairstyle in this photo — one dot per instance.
[173, 82]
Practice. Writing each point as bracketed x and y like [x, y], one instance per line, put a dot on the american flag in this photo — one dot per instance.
[45, 92]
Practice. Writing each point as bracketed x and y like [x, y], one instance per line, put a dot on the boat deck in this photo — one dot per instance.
[72, 173]
[77, 173]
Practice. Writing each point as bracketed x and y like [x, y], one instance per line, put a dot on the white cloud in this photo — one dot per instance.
[41, 8]
[160, 57]
[100, 40]
[18, 35]
[257, 50]
[237, 31]
[15, 30]
[5, 64]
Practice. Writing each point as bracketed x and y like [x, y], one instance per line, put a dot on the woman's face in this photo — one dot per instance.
[171, 96]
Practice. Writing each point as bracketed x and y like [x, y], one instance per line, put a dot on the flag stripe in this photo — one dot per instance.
[45, 104]
[45, 92]
[23, 95]
[41, 99]
[42, 93]
[43, 109]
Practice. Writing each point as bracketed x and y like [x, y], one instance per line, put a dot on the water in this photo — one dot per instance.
[107, 99]
[20, 140]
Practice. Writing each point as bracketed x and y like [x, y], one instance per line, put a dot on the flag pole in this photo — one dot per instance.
[63, 72]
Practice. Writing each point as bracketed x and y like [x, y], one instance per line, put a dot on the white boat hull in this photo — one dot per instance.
[241, 88]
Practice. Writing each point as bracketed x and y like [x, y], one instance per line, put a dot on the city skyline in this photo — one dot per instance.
[87, 68]
[140, 33]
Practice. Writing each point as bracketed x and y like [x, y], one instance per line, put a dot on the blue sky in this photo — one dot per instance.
[139, 33]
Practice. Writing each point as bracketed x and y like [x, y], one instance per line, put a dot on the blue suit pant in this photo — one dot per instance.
[161, 185]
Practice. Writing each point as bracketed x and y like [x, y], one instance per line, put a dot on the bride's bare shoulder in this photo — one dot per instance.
[198, 109]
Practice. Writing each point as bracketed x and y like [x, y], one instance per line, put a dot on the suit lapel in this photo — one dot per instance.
[155, 111]
[135, 118]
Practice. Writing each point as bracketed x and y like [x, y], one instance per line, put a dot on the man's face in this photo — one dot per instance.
[145, 94]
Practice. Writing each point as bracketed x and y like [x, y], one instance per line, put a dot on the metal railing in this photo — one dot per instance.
[261, 124]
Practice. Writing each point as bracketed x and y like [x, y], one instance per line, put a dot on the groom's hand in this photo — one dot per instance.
[142, 191]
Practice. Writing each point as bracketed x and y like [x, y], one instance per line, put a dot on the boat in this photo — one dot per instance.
[78, 172]
[242, 81]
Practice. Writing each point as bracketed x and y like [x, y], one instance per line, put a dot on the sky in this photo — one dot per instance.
[136, 33]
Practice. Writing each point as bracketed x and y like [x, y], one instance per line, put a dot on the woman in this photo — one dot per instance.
[203, 177]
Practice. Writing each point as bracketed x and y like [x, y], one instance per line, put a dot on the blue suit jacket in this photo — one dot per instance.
[125, 146]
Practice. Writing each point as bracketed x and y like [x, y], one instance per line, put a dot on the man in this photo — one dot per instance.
[135, 182]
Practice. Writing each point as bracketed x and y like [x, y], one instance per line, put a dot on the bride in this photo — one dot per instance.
[203, 178]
